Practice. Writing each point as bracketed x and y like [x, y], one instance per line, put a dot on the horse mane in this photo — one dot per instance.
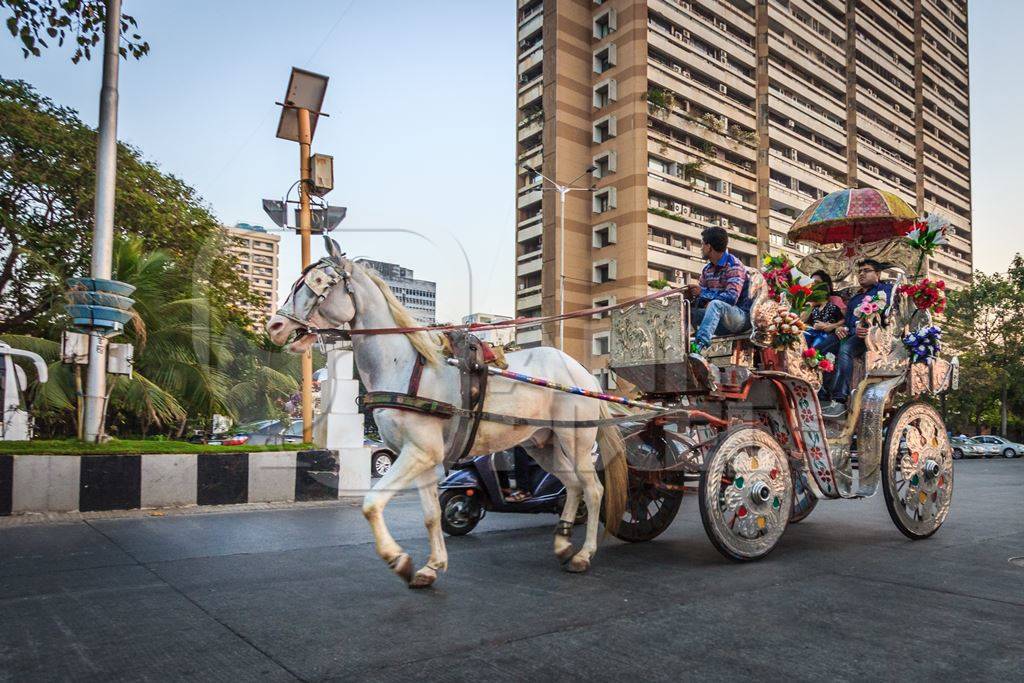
[425, 343]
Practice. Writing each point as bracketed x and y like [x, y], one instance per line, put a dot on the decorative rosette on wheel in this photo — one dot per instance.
[752, 497]
[922, 467]
[924, 344]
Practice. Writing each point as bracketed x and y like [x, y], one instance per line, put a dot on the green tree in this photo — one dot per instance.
[34, 22]
[47, 172]
[188, 363]
[985, 325]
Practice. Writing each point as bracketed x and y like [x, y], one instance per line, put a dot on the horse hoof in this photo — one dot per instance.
[402, 565]
[424, 578]
[577, 565]
[565, 554]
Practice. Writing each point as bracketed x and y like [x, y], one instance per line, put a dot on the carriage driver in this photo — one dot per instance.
[720, 302]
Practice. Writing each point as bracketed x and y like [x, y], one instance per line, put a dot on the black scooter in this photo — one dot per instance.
[474, 487]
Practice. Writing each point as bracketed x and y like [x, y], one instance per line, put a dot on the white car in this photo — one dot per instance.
[997, 445]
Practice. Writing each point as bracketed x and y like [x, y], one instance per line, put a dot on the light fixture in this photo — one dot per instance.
[305, 91]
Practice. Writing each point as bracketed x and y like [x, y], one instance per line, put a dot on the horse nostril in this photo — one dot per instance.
[275, 326]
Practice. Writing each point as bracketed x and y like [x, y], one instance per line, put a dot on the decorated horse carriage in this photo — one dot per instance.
[742, 424]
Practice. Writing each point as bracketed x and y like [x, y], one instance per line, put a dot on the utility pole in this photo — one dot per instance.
[300, 110]
[305, 139]
[562, 190]
[103, 219]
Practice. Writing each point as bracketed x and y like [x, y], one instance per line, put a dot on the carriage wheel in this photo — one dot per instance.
[804, 501]
[653, 494]
[917, 469]
[746, 493]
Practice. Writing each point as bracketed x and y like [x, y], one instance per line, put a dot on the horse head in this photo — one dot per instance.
[320, 299]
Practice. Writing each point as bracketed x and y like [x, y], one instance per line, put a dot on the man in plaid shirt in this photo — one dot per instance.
[720, 302]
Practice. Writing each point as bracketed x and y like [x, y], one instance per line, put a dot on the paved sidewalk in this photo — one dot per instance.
[296, 592]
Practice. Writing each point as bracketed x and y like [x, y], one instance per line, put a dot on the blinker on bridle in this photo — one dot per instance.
[319, 278]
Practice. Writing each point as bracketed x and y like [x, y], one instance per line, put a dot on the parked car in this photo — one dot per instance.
[966, 447]
[381, 457]
[997, 445]
[265, 432]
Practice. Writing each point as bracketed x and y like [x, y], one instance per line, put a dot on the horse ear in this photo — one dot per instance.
[333, 249]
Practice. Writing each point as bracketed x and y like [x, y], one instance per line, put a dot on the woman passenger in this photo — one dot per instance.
[826, 320]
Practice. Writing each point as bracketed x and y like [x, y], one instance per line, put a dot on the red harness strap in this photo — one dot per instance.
[417, 373]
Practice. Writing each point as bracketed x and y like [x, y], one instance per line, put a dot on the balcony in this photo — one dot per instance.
[528, 337]
[528, 302]
[531, 95]
[711, 100]
[529, 267]
[530, 130]
[723, 72]
[715, 202]
[529, 198]
[531, 26]
[532, 58]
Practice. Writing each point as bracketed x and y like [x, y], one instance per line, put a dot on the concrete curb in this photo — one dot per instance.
[86, 483]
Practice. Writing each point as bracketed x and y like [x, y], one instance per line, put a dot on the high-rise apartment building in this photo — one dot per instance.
[418, 296]
[257, 253]
[737, 113]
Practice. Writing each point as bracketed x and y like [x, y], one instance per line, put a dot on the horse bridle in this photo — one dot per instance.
[319, 278]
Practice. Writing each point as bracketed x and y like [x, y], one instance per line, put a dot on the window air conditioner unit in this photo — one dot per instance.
[678, 69]
[685, 6]
[686, 73]
[723, 221]
[686, 33]
[722, 88]
[791, 123]
[677, 207]
[686, 210]
[792, 154]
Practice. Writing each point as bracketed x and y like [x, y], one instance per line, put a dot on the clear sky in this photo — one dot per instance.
[422, 122]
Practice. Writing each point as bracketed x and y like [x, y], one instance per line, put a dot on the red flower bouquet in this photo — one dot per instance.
[814, 359]
[927, 294]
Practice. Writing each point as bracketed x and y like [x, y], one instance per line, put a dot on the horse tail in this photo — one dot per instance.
[613, 456]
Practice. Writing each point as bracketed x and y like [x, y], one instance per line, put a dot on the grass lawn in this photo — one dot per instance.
[129, 447]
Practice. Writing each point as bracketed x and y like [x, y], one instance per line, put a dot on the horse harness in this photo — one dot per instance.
[469, 355]
[468, 352]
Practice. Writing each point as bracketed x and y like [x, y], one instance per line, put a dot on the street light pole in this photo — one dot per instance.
[103, 219]
[305, 139]
[562, 190]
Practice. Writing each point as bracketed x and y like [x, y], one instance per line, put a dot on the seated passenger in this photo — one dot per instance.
[852, 346]
[720, 302]
[826, 318]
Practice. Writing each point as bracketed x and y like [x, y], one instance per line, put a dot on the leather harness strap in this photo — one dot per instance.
[417, 374]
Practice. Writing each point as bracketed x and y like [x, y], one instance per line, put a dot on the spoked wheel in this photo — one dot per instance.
[746, 493]
[804, 501]
[658, 463]
[917, 470]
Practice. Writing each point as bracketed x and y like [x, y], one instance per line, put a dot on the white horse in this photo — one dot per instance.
[336, 291]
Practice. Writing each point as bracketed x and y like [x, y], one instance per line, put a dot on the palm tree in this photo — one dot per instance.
[188, 362]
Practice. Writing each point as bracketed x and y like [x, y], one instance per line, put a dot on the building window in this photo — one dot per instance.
[604, 271]
[605, 234]
[600, 303]
[605, 199]
[604, 129]
[605, 92]
[605, 379]
[605, 58]
[605, 23]
[600, 344]
[604, 164]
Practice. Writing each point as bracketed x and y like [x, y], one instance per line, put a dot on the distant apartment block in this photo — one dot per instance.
[735, 113]
[257, 253]
[499, 337]
[419, 296]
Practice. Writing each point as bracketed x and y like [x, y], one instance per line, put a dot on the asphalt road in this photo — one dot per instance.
[298, 593]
